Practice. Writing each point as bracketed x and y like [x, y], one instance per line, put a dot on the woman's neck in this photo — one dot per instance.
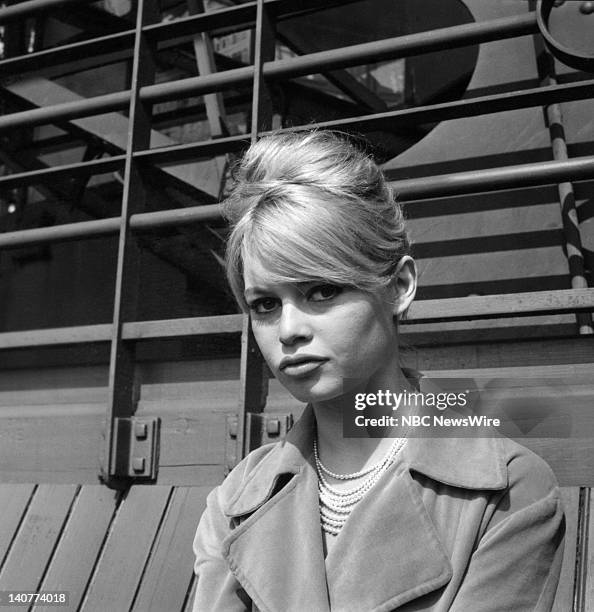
[345, 455]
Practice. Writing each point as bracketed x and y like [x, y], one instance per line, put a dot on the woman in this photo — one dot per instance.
[318, 256]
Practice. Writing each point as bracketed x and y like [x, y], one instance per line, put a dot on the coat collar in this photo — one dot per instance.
[478, 463]
[276, 552]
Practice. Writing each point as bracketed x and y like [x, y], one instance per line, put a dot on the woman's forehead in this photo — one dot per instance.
[255, 273]
[257, 277]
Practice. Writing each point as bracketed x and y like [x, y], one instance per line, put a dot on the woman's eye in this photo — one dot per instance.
[264, 305]
[322, 293]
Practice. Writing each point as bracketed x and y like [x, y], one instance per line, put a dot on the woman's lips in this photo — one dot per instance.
[302, 368]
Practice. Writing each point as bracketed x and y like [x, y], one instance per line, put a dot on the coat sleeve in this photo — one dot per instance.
[517, 563]
[217, 589]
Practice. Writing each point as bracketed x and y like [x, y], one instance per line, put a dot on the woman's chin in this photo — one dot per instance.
[314, 391]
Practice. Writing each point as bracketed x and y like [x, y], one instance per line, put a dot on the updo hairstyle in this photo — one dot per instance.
[311, 206]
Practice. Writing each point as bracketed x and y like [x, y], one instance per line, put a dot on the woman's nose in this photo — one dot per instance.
[294, 325]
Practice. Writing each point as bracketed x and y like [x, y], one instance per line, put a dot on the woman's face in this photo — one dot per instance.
[321, 340]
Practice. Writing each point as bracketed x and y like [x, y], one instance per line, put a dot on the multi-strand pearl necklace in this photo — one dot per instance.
[335, 505]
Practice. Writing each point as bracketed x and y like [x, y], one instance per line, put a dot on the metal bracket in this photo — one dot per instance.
[260, 429]
[136, 448]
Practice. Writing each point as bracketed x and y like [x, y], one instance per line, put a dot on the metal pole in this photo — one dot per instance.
[571, 227]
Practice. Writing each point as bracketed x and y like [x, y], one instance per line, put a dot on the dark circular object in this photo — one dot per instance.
[587, 8]
[570, 57]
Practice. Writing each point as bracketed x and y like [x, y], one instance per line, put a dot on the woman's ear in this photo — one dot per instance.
[405, 284]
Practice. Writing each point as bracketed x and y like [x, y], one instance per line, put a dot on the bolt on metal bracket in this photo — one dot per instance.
[261, 428]
[136, 448]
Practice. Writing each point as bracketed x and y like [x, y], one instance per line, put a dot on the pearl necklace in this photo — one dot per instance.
[335, 505]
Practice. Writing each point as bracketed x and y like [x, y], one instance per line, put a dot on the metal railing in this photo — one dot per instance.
[140, 44]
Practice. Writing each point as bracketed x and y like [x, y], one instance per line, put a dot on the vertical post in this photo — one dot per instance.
[264, 51]
[253, 371]
[215, 107]
[123, 389]
[571, 227]
[214, 102]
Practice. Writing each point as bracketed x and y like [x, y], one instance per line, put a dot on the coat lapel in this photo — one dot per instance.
[388, 552]
[276, 553]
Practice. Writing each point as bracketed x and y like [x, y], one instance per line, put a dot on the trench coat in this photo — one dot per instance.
[471, 524]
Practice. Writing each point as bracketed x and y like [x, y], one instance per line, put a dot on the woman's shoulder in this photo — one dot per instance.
[530, 478]
[523, 463]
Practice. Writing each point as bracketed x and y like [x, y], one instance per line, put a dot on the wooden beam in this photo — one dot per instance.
[511, 305]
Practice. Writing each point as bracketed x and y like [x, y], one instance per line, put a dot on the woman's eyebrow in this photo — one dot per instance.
[253, 291]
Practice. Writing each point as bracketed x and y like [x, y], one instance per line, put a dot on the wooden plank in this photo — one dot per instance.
[127, 549]
[223, 324]
[553, 352]
[168, 576]
[529, 328]
[564, 597]
[37, 536]
[191, 475]
[36, 449]
[450, 309]
[504, 305]
[14, 499]
[571, 459]
[188, 439]
[59, 335]
[79, 546]
[49, 378]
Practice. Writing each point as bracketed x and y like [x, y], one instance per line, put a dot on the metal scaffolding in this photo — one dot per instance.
[140, 46]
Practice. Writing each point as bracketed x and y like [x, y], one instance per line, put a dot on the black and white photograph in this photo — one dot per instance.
[296, 305]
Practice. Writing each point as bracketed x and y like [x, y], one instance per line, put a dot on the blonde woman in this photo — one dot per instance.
[318, 256]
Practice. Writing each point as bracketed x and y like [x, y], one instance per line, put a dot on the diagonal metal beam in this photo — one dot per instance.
[342, 79]
[202, 176]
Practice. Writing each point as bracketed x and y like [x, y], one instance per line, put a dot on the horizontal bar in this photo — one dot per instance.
[79, 51]
[178, 216]
[109, 226]
[468, 107]
[451, 309]
[194, 150]
[96, 166]
[343, 57]
[24, 9]
[59, 335]
[191, 25]
[494, 179]
[170, 328]
[513, 241]
[68, 110]
[407, 190]
[57, 233]
[425, 114]
[524, 175]
[402, 46]
[199, 85]
[166, 155]
[118, 46]
[232, 18]
[506, 305]
[140, 330]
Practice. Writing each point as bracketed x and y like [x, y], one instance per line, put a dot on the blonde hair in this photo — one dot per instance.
[310, 206]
